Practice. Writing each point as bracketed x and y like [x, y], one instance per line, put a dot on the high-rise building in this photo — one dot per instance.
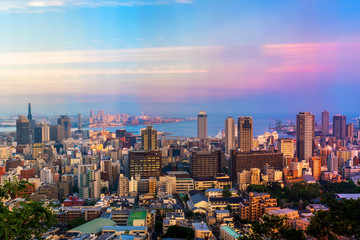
[41, 133]
[149, 139]
[350, 130]
[205, 165]
[29, 112]
[91, 116]
[22, 130]
[339, 126]
[37, 150]
[325, 122]
[46, 175]
[64, 121]
[245, 133]
[305, 134]
[286, 147]
[254, 159]
[202, 125]
[229, 134]
[315, 164]
[106, 171]
[145, 163]
[101, 115]
[123, 188]
[333, 162]
[56, 133]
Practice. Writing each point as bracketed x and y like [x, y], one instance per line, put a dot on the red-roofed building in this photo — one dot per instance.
[74, 201]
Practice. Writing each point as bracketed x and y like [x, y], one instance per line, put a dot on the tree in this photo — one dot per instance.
[342, 219]
[159, 227]
[179, 232]
[76, 222]
[26, 220]
[226, 193]
[273, 227]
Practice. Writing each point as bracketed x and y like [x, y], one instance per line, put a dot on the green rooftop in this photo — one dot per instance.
[93, 226]
[136, 213]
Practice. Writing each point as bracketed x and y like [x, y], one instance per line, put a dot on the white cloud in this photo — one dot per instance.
[35, 6]
[191, 53]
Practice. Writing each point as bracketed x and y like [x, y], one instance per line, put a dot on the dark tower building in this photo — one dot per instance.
[29, 112]
[245, 133]
[64, 121]
[23, 130]
[305, 134]
[205, 165]
[145, 163]
[325, 122]
[339, 126]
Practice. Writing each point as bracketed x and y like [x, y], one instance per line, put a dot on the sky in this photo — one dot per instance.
[180, 56]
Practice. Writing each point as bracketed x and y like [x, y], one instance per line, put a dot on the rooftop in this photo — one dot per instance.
[137, 213]
[348, 196]
[94, 226]
[231, 231]
[201, 226]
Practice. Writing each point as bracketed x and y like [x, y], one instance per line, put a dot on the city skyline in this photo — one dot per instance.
[179, 56]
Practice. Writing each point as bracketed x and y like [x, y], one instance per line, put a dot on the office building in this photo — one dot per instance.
[305, 133]
[339, 126]
[149, 139]
[245, 133]
[204, 165]
[46, 175]
[315, 164]
[22, 130]
[254, 159]
[64, 121]
[333, 162]
[286, 147]
[41, 133]
[202, 125]
[145, 163]
[325, 122]
[229, 134]
[350, 130]
[123, 188]
[57, 133]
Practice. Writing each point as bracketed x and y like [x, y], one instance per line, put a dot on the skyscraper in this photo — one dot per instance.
[339, 125]
[245, 133]
[325, 122]
[29, 112]
[41, 133]
[148, 139]
[229, 134]
[64, 121]
[202, 125]
[305, 133]
[22, 130]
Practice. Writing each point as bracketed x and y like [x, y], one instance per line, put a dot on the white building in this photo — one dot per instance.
[46, 175]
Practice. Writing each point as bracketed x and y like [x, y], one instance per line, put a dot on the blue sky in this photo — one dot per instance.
[166, 56]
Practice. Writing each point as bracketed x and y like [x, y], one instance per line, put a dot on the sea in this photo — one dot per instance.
[216, 124]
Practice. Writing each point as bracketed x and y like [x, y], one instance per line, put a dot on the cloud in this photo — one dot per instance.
[37, 6]
[184, 1]
[179, 73]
